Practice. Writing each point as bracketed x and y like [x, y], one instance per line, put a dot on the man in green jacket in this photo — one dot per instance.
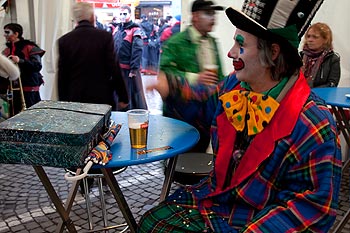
[193, 54]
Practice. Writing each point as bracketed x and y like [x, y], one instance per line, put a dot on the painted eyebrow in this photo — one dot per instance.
[240, 39]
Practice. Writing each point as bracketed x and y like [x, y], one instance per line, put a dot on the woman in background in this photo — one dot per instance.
[321, 64]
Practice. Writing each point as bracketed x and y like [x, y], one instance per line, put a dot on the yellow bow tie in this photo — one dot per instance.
[241, 106]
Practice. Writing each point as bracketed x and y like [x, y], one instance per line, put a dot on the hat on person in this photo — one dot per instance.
[279, 20]
[178, 17]
[203, 5]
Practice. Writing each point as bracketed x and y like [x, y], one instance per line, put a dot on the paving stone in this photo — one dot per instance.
[18, 228]
[32, 226]
[26, 219]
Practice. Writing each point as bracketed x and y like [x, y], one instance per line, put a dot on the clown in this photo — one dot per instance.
[277, 156]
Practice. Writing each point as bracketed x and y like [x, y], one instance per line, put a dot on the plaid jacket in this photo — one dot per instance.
[287, 181]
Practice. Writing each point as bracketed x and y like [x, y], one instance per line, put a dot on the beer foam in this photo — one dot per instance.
[135, 125]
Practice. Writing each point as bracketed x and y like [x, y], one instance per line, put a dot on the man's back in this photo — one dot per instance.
[88, 71]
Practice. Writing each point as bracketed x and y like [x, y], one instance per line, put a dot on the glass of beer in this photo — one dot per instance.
[138, 127]
[211, 67]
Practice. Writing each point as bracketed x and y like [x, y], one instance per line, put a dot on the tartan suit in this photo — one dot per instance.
[287, 181]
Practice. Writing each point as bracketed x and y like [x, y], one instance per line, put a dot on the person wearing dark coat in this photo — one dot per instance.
[27, 55]
[151, 45]
[321, 64]
[128, 46]
[88, 72]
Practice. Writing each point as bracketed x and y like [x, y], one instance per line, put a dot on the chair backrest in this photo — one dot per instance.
[192, 167]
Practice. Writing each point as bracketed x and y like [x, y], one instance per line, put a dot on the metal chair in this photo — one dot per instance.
[96, 174]
[192, 167]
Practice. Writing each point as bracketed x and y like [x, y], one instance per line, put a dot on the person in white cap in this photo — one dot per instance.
[277, 161]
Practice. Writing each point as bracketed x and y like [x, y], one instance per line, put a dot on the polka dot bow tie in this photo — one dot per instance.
[246, 106]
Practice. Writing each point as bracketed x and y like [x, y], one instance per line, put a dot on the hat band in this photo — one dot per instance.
[289, 33]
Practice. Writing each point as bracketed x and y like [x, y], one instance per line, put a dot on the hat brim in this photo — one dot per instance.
[208, 8]
[217, 8]
[245, 23]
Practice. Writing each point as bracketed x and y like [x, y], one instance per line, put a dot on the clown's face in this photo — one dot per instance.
[124, 15]
[246, 60]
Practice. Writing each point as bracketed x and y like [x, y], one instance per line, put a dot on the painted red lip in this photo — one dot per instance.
[238, 64]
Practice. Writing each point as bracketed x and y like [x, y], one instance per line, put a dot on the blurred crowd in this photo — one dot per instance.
[154, 33]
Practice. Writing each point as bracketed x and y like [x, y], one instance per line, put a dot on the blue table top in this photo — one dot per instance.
[163, 131]
[334, 95]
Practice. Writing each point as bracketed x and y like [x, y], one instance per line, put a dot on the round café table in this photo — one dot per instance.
[167, 138]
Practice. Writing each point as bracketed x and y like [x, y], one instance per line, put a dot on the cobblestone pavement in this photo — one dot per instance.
[25, 206]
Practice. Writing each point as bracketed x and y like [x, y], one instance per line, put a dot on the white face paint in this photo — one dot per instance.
[10, 36]
[8, 32]
[124, 16]
[245, 57]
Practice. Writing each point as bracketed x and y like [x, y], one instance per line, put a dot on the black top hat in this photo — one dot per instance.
[203, 5]
[282, 20]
